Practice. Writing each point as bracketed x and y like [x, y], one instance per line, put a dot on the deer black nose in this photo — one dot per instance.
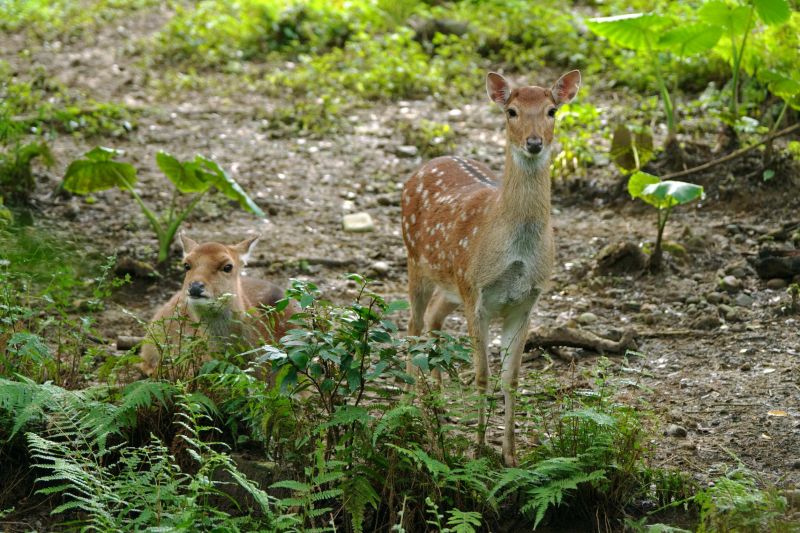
[196, 289]
[534, 145]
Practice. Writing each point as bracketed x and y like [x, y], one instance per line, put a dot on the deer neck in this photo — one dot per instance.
[524, 194]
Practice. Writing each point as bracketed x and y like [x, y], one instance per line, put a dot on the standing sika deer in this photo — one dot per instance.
[228, 307]
[485, 243]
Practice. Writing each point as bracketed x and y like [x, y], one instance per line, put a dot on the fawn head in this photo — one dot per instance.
[530, 112]
[212, 272]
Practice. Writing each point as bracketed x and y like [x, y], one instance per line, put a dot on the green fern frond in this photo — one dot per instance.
[393, 419]
[463, 521]
[358, 492]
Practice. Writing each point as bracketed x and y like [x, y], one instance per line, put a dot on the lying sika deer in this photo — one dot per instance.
[486, 243]
[227, 306]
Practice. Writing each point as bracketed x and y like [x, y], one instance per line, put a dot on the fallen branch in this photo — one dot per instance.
[578, 338]
[733, 155]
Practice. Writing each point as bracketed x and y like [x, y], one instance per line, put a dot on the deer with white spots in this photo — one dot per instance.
[487, 243]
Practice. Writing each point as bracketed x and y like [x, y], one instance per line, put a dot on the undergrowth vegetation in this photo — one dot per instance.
[338, 445]
[329, 429]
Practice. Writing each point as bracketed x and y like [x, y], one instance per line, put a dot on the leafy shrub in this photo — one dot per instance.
[16, 175]
[577, 128]
[431, 138]
[735, 503]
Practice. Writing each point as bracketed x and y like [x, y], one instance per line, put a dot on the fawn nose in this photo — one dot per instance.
[196, 289]
[534, 144]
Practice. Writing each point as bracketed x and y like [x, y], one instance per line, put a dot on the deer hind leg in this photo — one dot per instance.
[515, 329]
[439, 307]
[478, 325]
[420, 291]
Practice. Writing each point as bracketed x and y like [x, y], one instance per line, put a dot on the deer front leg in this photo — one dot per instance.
[515, 329]
[478, 326]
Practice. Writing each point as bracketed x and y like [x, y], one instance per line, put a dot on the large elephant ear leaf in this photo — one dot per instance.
[719, 13]
[690, 39]
[225, 184]
[184, 176]
[630, 30]
[670, 193]
[773, 11]
[98, 172]
[638, 182]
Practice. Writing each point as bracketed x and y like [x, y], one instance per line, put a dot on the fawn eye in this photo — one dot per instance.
[227, 268]
[551, 112]
[512, 113]
[187, 266]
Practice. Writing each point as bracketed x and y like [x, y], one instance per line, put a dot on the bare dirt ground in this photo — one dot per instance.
[715, 371]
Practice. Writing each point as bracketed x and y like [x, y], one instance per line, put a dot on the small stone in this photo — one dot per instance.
[717, 298]
[727, 311]
[380, 267]
[674, 430]
[406, 150]
[738, 272]
[706, 322]
[730, 284]
[796, 464]
[649, 308]
[777, 284]
[693, 299]
[358, 222]
[587, 318]
[743, 300]
[631, 306]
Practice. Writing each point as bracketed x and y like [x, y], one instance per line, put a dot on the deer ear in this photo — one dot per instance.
[497, 88]
[565, 89]
[245, 248]
[187, 243]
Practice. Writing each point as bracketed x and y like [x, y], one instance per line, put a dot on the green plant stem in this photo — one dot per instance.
[655, 259]
[737, 63]
[151, 217]
[780, 116]
[165, 240]
[662, 85]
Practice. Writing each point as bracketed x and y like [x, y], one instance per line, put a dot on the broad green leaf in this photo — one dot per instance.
[719, 13]
[183, 175]
[631, 152]
[690, 39]
[669, 193]
[638, 182]
[780, 84]
[102, 153]
[630, 31]
[773, 11]
[396, 305]
[226, 185]
[98, 172]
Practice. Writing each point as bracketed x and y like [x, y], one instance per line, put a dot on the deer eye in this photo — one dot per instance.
[512, 113]
[187, 266]
[227, 268]
[551, 112]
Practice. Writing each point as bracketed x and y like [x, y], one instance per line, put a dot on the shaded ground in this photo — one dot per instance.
[713, 372]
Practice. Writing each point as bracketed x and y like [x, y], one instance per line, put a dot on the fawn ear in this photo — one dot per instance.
[497, 88]
[245, 248]
[187, 243]
[565, 89]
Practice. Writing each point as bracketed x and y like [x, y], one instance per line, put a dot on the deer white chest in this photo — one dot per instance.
[527, 263]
